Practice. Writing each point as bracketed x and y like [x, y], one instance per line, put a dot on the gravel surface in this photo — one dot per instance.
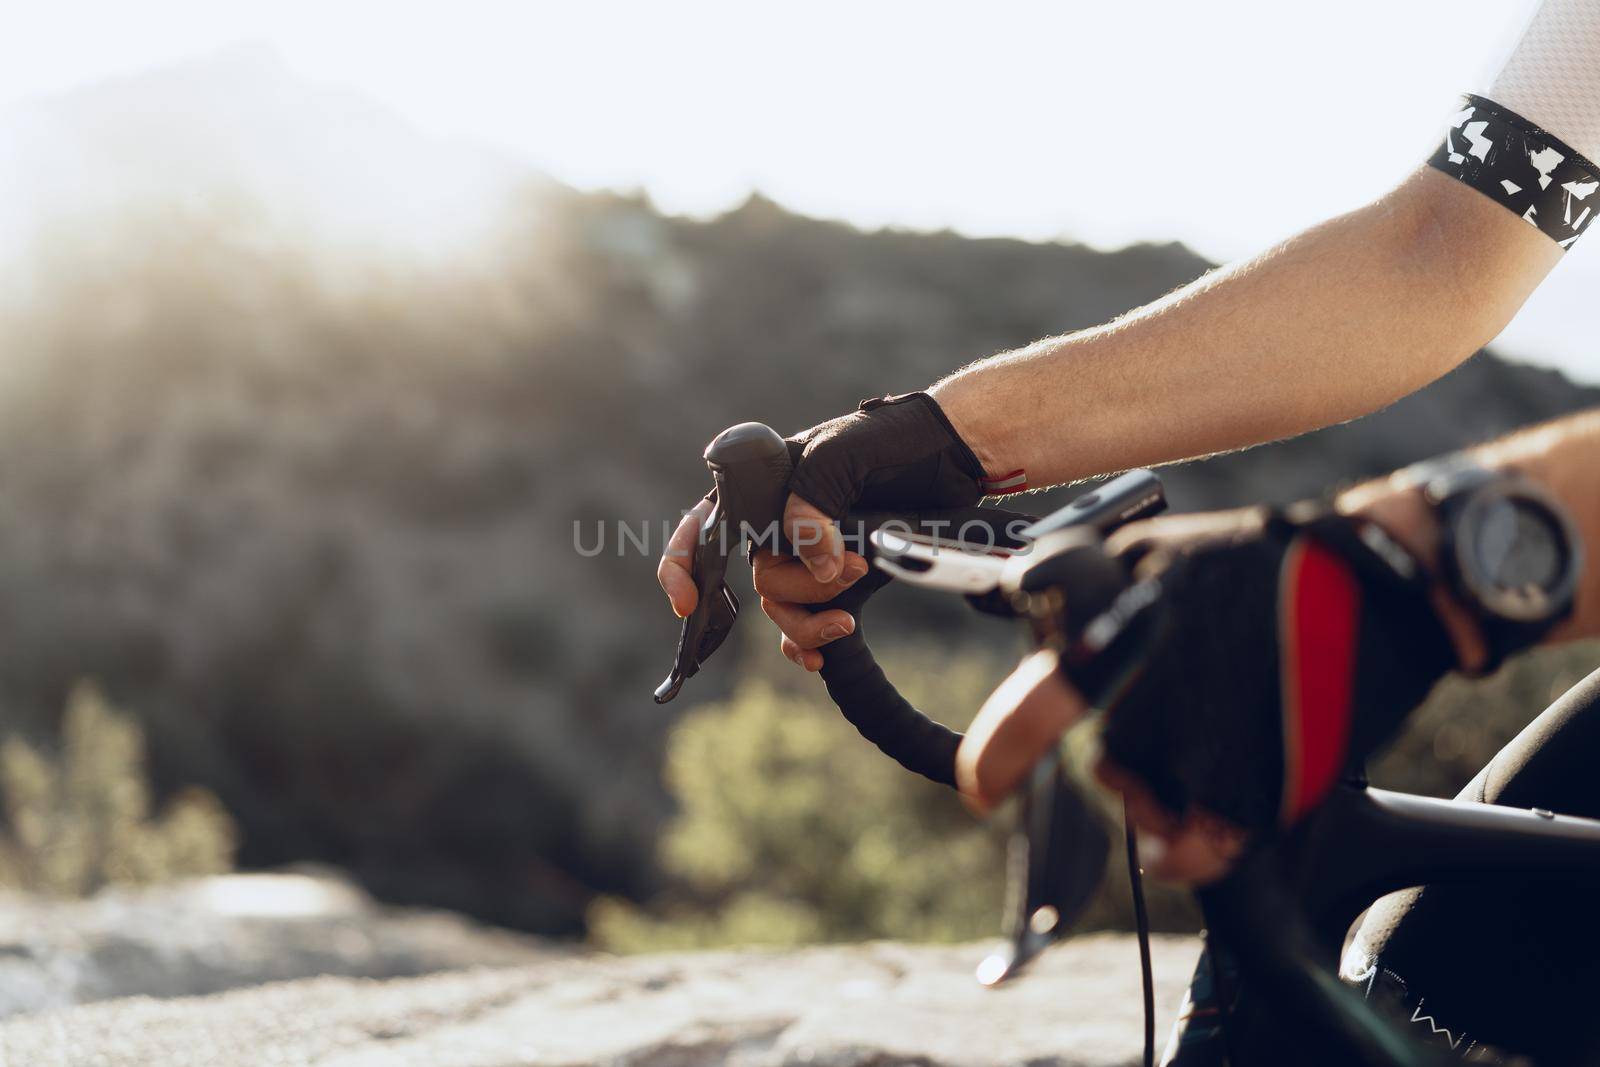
[879, 1005]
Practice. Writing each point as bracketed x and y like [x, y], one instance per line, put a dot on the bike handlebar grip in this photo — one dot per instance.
[855, 682]
[870, 703]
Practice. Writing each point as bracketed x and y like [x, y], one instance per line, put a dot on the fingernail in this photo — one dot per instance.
[833, 631]
[1152, 850]
[826, 571]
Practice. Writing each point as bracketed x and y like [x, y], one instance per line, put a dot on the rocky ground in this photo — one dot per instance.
[214, 934]
[160, 976]
[881, 1005]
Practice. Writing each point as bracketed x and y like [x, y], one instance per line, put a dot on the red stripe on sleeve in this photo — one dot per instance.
[1010, 482]
[1318, 629]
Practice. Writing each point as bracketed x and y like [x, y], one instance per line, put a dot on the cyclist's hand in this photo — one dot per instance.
[786, 586]
[785, 583]
[1025, 716]
[1269, 656]
[896, 454]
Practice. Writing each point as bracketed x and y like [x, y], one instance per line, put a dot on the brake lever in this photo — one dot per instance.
[1058, 855]
[750, 466]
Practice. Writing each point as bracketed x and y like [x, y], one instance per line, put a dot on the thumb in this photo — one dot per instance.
[815, 538]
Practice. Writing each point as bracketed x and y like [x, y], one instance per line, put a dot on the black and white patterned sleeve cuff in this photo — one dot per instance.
[1527, 169]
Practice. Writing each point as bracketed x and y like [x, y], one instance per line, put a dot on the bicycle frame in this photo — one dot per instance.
[1284, 913]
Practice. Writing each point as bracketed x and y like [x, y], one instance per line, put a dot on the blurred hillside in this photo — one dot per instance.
[295, 475]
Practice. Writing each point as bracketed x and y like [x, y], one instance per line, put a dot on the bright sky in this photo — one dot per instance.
[1222, 123]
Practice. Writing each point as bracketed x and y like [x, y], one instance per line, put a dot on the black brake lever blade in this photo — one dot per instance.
[1057, 860]
[715, 611]
[750, 465]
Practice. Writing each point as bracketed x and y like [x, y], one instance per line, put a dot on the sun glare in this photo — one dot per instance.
[1225, 125]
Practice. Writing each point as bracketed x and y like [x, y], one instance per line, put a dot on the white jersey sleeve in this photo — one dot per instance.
[1528, 143]
[1552, 77]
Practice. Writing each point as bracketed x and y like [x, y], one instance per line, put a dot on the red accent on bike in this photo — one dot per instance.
[1318, 620]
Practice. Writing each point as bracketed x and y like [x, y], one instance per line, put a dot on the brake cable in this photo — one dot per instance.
[1141, 922]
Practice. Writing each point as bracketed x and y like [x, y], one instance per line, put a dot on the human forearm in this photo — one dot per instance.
[1332, 324]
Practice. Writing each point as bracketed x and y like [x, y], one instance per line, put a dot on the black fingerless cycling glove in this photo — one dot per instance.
[1268, 664]
[894, 453]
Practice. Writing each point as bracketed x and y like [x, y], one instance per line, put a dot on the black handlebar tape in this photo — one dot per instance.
[871, 703]
[855, 682]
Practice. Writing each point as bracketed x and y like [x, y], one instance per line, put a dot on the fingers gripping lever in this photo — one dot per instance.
[752, 468]
[750, 465]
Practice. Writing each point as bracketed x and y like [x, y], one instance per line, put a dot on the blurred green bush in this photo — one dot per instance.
[791, 829]
[85, 818]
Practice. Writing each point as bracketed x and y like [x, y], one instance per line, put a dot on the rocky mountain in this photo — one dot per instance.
[311, 510]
